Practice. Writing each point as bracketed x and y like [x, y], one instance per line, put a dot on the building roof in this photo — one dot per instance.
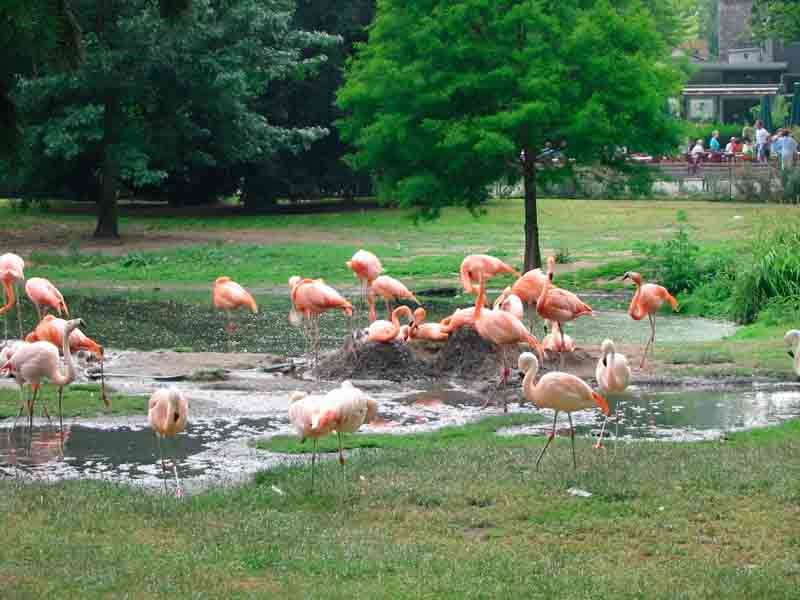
[743, 66]
[735, 89]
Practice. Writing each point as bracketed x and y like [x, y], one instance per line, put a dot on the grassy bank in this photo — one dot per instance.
[467, 519]
[592, 231]
[80, 400]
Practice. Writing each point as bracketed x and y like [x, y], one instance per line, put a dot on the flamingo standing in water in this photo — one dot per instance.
[229, 296]
[647, 301]
[12, 269]
[503, 329]
[558, 305]
[557, 340]
[477, 266]
[390, 289]
[613, 375]
[50, 329]
[792, 339]
[33, 362]
[420, 330]
[528, 288]
[388, 331]
[366, 267]
[562, 392]
[44, 294]
[167, 412]
[311, 298]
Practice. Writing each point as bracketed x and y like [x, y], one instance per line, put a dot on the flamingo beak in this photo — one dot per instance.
[791, 353]
[605, 362]
[602, 403]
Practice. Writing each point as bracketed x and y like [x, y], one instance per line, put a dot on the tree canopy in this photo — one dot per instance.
[165, 103]
[449, 96]
[777, 19]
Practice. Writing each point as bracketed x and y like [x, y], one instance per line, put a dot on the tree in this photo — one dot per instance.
[777, 19]
[449, 96]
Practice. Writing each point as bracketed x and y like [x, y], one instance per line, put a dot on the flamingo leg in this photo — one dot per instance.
[21, 407]
[31, 405]
[46, 412]
[341, 454]
[313, 463]
[161, 457]
[504, 376]
[388, 308]
[549, 439]
[103, 384]
[60, 409]
[178, 488]
[572, 438]
[19, 313]
[561, 348]
[650, 341]
[38, 312]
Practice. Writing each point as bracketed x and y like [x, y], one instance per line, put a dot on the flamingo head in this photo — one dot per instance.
[420, 314]
[221, 280]
[607, 347]
[73, 324]
[294, 280]
[528, 362]
[633, 276]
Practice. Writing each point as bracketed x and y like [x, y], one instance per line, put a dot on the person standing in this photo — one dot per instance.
[786, 148]
[714, 144]
[762, 141]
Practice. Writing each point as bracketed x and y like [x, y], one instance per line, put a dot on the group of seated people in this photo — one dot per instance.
[783, 146]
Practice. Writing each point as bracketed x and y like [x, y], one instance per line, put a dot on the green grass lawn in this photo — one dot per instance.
[469, 518]
[318, 244]
[80, 400]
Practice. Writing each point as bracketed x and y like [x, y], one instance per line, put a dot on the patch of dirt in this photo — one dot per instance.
[166, 363]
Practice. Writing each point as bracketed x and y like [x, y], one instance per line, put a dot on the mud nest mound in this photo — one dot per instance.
[465, 355]
[395, 361]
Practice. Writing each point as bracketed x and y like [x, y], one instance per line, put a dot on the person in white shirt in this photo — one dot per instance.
[698, 148]
[762, 141]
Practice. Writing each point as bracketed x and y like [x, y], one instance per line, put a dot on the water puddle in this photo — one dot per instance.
[217, 451]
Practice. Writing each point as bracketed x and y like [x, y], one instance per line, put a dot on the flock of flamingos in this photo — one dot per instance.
[346, 408]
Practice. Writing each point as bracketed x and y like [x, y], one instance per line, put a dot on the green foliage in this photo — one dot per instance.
[777, 19]
[445, 97]
[773, 276]
[190, 124]
[694, 130]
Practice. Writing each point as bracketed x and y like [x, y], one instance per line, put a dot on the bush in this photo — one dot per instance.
[695, 130]
[773, 277]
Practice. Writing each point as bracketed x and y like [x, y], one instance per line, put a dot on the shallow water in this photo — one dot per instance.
[217, 451]
[188, 321]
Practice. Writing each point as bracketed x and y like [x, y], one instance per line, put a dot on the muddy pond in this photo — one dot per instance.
[250, 402]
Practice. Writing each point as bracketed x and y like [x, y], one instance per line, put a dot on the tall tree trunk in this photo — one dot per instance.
[107, 209]
[533, 257]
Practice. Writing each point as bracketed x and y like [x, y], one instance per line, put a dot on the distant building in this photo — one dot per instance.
[726, 87]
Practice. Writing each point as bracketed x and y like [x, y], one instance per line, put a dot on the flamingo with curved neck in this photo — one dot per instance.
[386, 331]
[613, 375]
[420, 330]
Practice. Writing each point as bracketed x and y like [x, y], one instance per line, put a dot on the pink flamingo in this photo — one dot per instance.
[503, 329]
[33, 362]
[343, 410]
[792, 339]
[167, 412]
[528, 288]
[390, 289]
[558, 305]
[50, 329]
[229, 296]
[12, 269]
[559, 391]
[366, 267]
[477, 266]
[509, 302]
[44, 294]
[557, 340]
[311, 298]
[462, 317]
[388, 331]
[420, 330]
[646, 301]
[613, 375]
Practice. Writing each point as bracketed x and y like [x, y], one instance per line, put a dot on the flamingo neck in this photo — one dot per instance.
[67, 378]
[481, 297]
[528, 382]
